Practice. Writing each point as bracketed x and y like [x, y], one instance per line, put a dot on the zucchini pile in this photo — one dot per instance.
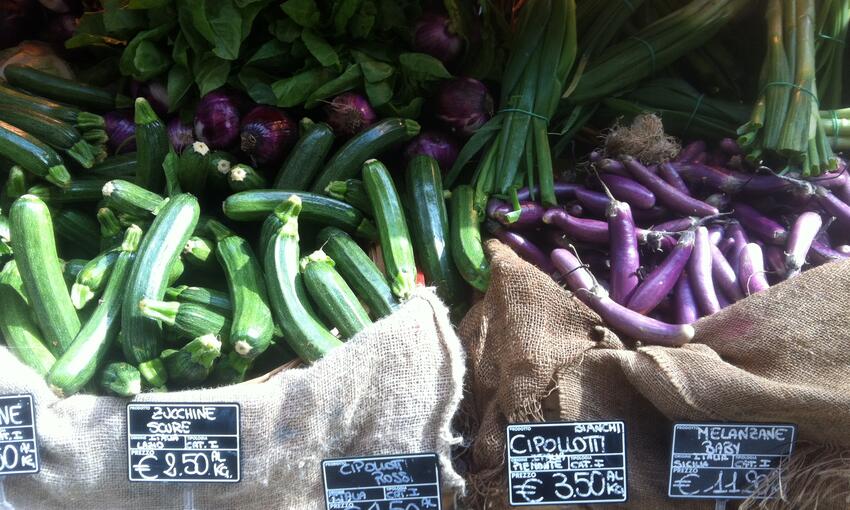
[153, 270]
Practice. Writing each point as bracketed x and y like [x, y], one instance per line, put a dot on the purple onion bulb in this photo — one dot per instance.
[464, 105]
[349, 114]
[179, 134]
[217, 121]
[121, 130]
[433, 35]
[267, 134]
[439, 146]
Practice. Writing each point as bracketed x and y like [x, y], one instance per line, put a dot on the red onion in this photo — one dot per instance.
[464, 105]
[179, 134]
[439, 146]
[433, 35]
[349, 114]
[217, 121]
[121, 131]
[154, 92]
[267, 134]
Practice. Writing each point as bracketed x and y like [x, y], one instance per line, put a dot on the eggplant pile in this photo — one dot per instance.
[654, 248]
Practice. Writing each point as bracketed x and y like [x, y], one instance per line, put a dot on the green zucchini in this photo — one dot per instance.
[333, 297]
[15, 187]
[63, 90]
[120, 378]
[71, 268]
[93, 277]
[189, 319]
[153, 372]
[31, 229]
[125, 197]
[252, 326]
[377, 139]
[176, 272]
[430, 227]
[396, 247]
[231, 368]
[306, 335]
[210, 298]
[110, 228]
[82, 120]
[193, 362]
[171, 173]
[157, 255]
[22, 335]
[32, 155]
[79, 231]
[152, 146]
[353, 192]
[307, 157]
[78, 191]
[54, 132]
[76, 367]
[192, 168]
[465, 239]
[358, 270]
[256, 205]
[4, 226]
[121, 166]
[242, 178]
[200, 254]
[218, 169]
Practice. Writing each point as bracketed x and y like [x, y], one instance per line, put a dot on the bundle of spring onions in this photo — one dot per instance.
[785, 118]
[832, 19]
[514, 145]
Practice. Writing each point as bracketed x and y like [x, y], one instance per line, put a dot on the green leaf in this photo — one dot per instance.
[147, 4]
[392, 15]
[319, 48]
[211, 73]
[226, 24]
[295, 90]
[256, 84]
[187, 29]
[179, 83]
[244, 3]
[180, 50]
[304, 12]
[374, 71]
[270, 52]
[422, 67]
[83, 40]
[117, 20]
[91, 23]
[343, 11]
[410, 110]
[362, 22]
[379, 93]
[348, 80]
[285, 30]
[149, 61]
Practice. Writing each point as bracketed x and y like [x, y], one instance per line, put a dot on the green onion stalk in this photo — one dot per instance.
[785, 119]
[513, 147]
[836, 127]
[832, 18]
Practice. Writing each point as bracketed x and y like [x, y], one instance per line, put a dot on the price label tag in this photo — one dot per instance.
[728, 460]
[18, 440]
[567, 463]
[172, 442]
[398, 482]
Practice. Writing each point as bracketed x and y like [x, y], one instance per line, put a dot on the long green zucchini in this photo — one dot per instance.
[396, 246]
[121, 166]
[465, 238]
[79, 231]
[32, 155]
[192, 168]
[54, 132]
[252, 327]
[307, 157]
[380, 137]
[152, 146]
[157, 255]
[78, 191]
[193, 362]
[17, 326]
[129, 198]
[76, 367]
[64, 90]
[31, 229]
[199, 253]
[189, 319]
[333, 297]
[351, 191]
[306, 335]
[358, 270]
[256, 205]
[82, 120]
[120, 378]
[94, 277]
[210, 298]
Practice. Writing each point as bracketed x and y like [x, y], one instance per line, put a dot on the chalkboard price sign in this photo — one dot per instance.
[728, 460]
[399, 482]
[18, 440]
[567, 463]
[172, 442]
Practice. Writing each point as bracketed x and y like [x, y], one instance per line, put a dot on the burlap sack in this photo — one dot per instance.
[392, 389]
[535, 352]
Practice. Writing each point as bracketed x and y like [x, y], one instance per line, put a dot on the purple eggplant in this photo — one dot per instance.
[724, 276]
[715, 234]
[719, 200]
[822, 253]
[774, 260]
[522, 246]
[563, 191]
[722, 300]
[625, 257]
[800, 240]
[621, 319]
[759, 224]
[700, 274]
[580, 229]
[612, 166]
[650, 216]
[530, 215]
[674, 199]
[677, 225]
[730, 146]
[576, 210]
[751, 274]
[729, 181]
[628, 190]
[496, 206]
[833, 205]
[671, 176]
[690, 151]
[594, 202]
[844, 249]
[661, 280]
[684, 303]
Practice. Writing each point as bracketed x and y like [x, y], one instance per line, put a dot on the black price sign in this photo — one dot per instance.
[567, 463]
[728, 460]
[398, 482]
[18, 441]
[172, 442]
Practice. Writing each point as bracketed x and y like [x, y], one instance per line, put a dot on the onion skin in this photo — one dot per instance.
[121, 129]
[464, 105]
[435, 144]
[217, 121]
[350, 113]
[267, 134]
[180, 135]
[432, 34]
